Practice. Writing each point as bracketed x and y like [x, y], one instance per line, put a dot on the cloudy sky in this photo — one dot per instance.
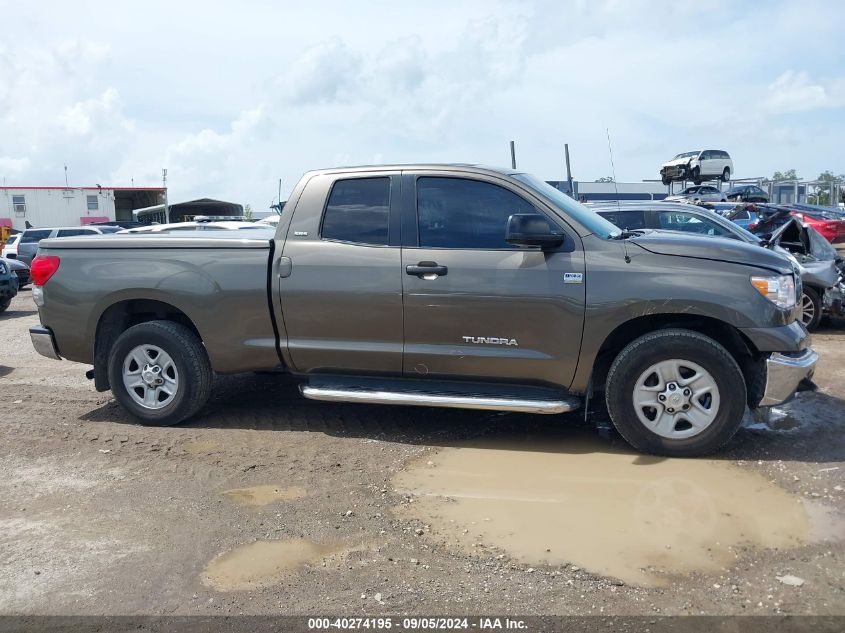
[231, 96]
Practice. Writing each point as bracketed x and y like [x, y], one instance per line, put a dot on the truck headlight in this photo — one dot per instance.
[780, 290]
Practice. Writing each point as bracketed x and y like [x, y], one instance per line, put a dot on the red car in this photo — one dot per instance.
[830, 225]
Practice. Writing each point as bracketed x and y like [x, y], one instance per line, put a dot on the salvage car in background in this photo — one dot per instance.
[819, 273]
[830, 224]
[8, 285]
[20, 269]
[229, 225]
[30, 238]
[779, 226]
[10, 248]
[747, 193]
[698, 193]
[700, 165]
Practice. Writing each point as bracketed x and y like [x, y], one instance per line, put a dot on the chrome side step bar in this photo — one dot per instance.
[439, 399]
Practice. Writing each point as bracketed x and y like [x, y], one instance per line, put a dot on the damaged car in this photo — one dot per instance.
[822, 268]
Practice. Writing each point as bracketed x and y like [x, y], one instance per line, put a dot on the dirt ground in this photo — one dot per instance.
[267, 503]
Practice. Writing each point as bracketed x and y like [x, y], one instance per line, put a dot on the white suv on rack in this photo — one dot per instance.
[700, 165]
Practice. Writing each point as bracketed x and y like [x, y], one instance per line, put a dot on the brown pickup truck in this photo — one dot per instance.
[436, 285]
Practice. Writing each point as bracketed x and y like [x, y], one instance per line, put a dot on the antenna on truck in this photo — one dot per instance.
[616, 188]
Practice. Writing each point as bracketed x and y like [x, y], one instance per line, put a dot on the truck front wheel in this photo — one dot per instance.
[159, 372]
[677, 393]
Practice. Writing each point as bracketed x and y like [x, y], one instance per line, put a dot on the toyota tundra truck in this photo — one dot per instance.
[442, 286]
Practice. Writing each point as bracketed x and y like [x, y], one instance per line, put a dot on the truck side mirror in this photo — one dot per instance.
[533, 229]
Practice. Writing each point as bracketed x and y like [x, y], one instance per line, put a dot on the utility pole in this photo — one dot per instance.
[66, 185]
[513, 156]
[568, 170]
[279, 200]
[164, 185]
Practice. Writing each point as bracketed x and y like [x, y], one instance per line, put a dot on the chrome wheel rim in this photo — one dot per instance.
[808, 309]
[150, 376]
[676, 399]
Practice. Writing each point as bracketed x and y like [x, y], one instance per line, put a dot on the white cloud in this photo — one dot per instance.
[101, 116]
[796, 92]
[230, 104]
[13, 167]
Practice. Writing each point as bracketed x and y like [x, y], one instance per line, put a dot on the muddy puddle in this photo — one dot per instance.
[573, 499]
[263, 495]
[263, 563]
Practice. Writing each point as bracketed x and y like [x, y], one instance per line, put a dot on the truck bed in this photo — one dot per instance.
[217, 279]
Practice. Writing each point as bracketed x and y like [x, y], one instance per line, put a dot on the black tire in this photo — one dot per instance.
[5, 303]
[811, 299]
[681, 344]
[189, 357]
[695, 175]
[726, 174]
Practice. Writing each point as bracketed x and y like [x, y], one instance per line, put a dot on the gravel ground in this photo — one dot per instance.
[101, 516]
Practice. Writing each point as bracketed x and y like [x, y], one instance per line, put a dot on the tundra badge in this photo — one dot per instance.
[491, 340]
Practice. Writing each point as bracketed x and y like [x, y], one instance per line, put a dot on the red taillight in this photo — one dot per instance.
[753, 226]
[42, 268]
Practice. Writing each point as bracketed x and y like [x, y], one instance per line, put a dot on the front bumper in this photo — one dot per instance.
[834, 300]
[674, 171]
[43, 342]
[784, 372]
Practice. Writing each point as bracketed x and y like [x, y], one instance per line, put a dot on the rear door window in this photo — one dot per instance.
[358, 211]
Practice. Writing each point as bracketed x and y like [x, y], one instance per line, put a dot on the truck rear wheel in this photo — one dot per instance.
[677, 393]
[159, 372]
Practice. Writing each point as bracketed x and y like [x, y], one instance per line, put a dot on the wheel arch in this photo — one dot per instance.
[729, 337]
[122, 315]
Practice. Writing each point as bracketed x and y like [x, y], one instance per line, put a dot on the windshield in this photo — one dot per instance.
[591, 220]
[110, 229]
[686, 155]
[12, 239]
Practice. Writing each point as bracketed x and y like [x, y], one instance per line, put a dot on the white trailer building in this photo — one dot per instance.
[72, 206]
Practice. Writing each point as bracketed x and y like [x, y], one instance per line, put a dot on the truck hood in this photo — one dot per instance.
[713, 248]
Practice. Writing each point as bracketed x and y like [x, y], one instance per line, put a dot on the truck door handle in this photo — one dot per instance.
[427, 270]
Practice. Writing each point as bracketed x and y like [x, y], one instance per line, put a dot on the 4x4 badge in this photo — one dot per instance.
[573, 278]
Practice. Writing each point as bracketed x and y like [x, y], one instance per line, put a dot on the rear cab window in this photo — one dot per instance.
[75, 232]
[32, 236]
[358, 211]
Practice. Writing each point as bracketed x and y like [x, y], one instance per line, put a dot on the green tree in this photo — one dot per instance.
[821, 194]
[248, 213]
[604, 179]
[789, 174]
